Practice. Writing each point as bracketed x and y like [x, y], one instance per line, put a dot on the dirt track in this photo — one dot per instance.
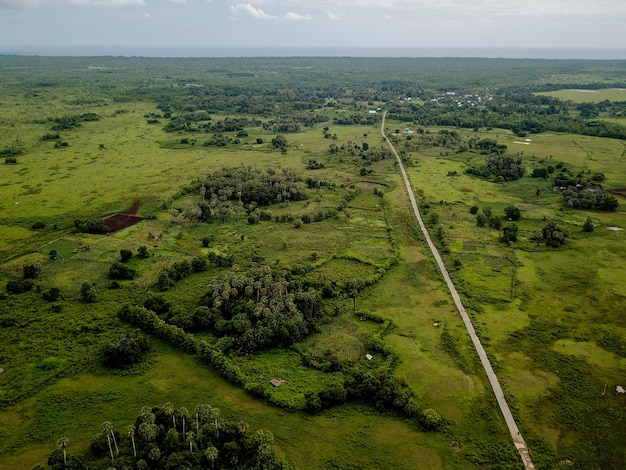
[518, 440]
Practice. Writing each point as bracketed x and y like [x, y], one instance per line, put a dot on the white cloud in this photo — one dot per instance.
[178, 2]
[18, 3]
[332, 16]
[387, 17]
[77, 3]
[455, 8]
[297, 17]
[249, 9]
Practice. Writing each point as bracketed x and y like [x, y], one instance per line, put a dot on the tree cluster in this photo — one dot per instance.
[90, 226]
[590, 200]
[163, 437]
[180, 270]
[499, 168]
[259, 309]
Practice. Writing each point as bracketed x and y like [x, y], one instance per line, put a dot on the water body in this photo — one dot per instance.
[198, 51]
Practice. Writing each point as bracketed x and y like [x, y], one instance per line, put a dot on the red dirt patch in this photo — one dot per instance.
[134, 208]
[117, 222]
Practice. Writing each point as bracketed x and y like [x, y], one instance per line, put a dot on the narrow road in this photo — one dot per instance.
[518, 440]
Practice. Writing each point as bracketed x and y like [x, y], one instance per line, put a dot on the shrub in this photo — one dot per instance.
[125, 350]
[125, 255]
[31, 271]
[19, 286]
[512, 213]
[52, 295]
[121, 272]
[142, 252]
[88, 293]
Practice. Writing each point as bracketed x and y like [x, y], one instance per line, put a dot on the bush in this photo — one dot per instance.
[19, 286]
[88, 293]
[512, 213]
[121, 272]
[52, 295]
[553, 235]
[588, 226]
[125, 255]
[142, 252]
[125, 350]
[31, 271]
[509, 233]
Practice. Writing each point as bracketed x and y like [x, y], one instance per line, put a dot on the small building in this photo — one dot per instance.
[276, 382]
[372, 111]
[369, 357]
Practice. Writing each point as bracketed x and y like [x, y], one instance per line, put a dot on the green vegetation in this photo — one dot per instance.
[267, 262]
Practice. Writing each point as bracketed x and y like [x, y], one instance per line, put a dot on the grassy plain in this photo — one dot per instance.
[588, 96]
[550, 319]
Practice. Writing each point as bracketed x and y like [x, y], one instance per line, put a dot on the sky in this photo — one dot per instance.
[217, 24]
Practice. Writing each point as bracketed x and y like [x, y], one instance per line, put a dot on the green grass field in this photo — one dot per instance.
[586, 96]
[550, 319]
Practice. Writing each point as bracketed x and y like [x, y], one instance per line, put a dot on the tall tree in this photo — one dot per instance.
[108, 432]
[168, 409]
[130, 432]
[63, 442]
[211, 455]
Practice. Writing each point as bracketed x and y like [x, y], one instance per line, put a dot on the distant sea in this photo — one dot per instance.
[198, 51]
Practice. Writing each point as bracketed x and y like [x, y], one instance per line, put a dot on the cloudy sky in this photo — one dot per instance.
[313, 23]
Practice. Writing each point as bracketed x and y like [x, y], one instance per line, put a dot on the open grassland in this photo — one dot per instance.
[53, 380]
[550, 319]
[588, 96]
[74, 406]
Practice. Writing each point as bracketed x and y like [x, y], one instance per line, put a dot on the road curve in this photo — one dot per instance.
[518, 440]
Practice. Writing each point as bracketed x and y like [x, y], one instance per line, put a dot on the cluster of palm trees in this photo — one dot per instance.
[161, 432]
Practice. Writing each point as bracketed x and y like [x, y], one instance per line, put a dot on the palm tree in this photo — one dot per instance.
[184, 413]
[214, 414]
[147, 415]
[202, 413]
[130, 432]
[148, 431]
[168, 409]
[154, 454]
[242, 427]
[190, 436]
[211, 455]
[63, 442]
[106, 429]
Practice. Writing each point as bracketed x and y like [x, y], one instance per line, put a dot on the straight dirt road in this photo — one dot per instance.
[518, 440]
